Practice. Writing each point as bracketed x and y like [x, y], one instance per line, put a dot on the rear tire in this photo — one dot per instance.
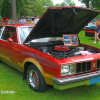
[35, 79]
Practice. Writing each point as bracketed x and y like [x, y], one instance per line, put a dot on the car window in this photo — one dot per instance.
[10, 32]
[1, 29]
[24, 32]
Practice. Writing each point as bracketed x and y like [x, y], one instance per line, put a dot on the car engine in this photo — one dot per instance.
[58, 50]
[61, 52]
[71, 51]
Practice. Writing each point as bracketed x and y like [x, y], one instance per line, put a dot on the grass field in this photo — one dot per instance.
[88, 40]
[11, 81]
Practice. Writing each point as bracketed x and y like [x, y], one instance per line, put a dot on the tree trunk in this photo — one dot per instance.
[87, 3]
[14, 9]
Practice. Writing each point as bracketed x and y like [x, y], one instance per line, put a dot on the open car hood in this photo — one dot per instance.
[62, 20]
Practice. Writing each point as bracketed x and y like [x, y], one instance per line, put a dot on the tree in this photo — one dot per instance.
[14, 9]
[66, 3]
[0, 6]
[69, 3]
[39, 6]
[95, 4]
[6, 8]
[25, 7]
[86, 2]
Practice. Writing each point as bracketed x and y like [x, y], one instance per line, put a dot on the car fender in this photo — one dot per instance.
[48, 78]
[31, 60]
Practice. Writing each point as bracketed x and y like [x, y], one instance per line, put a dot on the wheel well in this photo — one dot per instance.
[27, 64]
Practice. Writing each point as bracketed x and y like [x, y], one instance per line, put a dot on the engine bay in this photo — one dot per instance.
[62, 54]
[59, 51]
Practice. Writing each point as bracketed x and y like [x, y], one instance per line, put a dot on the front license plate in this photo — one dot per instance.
[95, 80]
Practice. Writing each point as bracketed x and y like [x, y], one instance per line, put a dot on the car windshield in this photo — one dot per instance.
[24, 32]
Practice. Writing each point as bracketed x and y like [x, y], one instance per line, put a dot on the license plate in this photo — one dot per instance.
[95, 80]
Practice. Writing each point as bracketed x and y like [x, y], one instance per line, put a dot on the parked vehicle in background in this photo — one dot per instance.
[13, 22]
[10, 21]
[90, 30]
[4, 20]
[30, 19]
[50, 52]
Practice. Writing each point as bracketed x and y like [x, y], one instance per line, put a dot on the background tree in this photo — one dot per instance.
[6, 8]
[95, 4]
[39, 6]
[85, 2]
[69, 3]
[66, 3]
[0, 6]
[14, 10]
[24, 7]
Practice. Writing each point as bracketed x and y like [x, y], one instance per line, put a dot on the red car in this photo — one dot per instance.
[90, 31]
[43, 55]
[3, 20]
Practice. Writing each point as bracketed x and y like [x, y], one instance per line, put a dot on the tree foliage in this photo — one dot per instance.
[39, 6]
[87, 2]
[66, 3]
[95, 4]
[24, 7]
[69, 3]
[6, 8]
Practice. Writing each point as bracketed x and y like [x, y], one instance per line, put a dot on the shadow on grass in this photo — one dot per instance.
[90, 38]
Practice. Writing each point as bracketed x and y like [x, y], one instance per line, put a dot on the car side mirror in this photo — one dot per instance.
[10, 39]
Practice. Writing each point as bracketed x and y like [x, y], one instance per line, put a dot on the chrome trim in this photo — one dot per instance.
[71, 85]
[76, 78]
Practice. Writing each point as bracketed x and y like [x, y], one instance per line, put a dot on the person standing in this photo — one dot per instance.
[22, 20]
[97, 28]
[36, 19]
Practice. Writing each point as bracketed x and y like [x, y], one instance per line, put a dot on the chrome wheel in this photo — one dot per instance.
[34, 78]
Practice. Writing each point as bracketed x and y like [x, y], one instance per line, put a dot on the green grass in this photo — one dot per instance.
[12, 80]
[88, 40]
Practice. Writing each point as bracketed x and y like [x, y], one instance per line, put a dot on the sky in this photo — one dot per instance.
[78, 3]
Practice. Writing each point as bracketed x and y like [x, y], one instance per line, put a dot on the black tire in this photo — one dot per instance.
[35, 79]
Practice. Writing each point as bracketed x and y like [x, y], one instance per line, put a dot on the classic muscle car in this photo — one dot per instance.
[50, 53]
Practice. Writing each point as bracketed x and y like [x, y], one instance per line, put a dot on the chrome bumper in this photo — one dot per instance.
[78, 80]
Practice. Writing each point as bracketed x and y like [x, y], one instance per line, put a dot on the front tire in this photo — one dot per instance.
[35, 79]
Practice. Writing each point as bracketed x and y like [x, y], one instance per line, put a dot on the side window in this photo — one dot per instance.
[6, 33]
[1, 30]
[10, 32]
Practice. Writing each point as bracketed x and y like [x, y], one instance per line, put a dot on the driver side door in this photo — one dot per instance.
[10, 50]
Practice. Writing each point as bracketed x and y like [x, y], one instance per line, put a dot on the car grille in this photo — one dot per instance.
[83, 67]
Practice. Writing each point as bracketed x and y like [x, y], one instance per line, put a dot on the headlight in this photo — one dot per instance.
[67, 69]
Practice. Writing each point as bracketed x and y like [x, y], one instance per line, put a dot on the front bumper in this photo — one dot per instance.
[78, 80]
